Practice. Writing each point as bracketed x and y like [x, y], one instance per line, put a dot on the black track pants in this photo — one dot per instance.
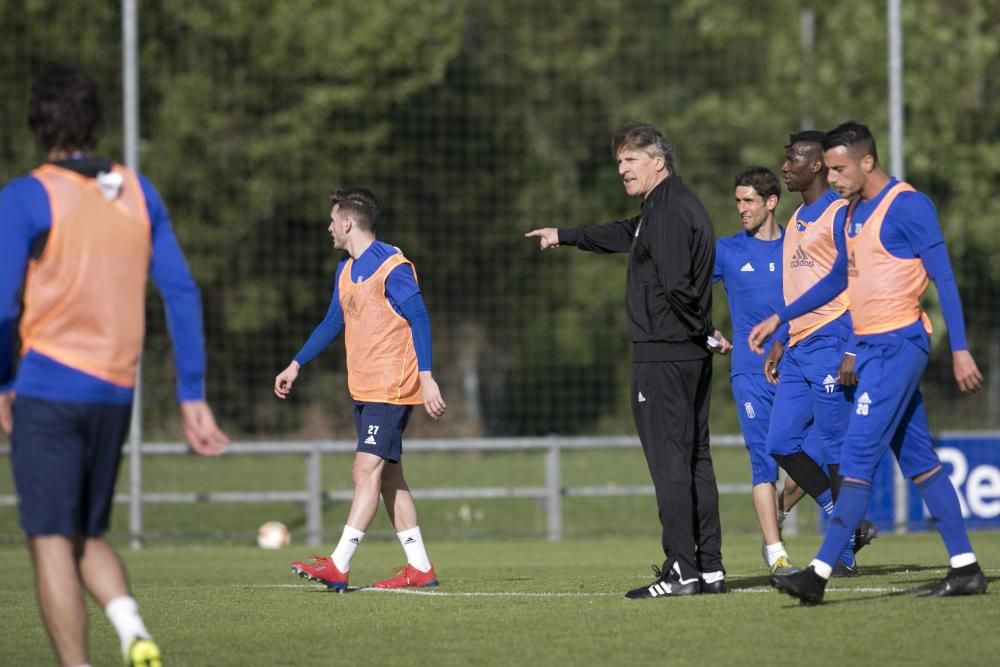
[670, 402]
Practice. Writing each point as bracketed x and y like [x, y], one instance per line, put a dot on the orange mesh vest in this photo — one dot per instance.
[884, 290]
[808, 256]
[381, 359]
[85, 297]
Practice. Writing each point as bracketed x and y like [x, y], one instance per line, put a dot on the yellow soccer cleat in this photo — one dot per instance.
[783, 566]
[143, 653]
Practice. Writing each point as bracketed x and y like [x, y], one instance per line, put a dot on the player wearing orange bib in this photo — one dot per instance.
[377, 304]
[889, 245]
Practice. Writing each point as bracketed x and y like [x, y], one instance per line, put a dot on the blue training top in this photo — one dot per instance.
[25, 214]
[750, 270]
[910, 230]
[402, 292]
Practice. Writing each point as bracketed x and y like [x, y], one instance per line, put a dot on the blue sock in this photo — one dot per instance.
[851, 505]
[946, 513]
[825, 502]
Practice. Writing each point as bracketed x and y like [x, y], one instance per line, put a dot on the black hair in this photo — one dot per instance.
[65, 108]
[358, 203]
[760, 179]
[854, 136]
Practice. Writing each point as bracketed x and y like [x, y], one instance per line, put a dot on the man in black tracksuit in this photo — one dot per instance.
[671, 247]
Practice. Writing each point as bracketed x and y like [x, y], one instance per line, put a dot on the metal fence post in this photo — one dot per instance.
[553, 490]
[314, 493]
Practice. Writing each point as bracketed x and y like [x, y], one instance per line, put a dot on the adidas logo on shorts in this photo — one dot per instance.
[370, 440]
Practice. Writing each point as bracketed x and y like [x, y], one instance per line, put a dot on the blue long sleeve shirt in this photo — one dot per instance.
[25, 217]
[402, 292]
[910, 230]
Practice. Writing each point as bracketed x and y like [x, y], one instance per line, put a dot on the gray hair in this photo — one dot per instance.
[644, 137]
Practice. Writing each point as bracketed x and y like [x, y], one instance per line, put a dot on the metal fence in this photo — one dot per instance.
[313, 494]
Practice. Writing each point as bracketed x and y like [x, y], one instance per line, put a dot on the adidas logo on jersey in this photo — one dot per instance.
[747, 267]
[370, 440]
[801, 258]
[864, 404]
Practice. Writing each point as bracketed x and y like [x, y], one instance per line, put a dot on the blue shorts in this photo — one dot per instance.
[380, 428]
[809, 394]
[754, 396]
[65, 458]
[889, 410]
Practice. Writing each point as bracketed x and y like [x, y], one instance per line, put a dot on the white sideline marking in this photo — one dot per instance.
[544, 594]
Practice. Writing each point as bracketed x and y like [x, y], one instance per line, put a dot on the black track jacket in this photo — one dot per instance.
[671, 254]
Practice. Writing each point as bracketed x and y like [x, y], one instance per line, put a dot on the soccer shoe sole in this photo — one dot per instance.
[786, 585]
[333, 586]
[430, 584]
[143, 653]
[973, 584]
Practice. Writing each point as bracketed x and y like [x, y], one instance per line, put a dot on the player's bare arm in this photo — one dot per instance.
[285, 379]
[967, 373]
[760, 333]
[548, 237]
[430, 393]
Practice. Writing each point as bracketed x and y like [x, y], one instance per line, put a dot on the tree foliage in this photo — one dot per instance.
[473, 122]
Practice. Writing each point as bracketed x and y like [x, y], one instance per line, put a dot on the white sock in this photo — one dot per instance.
[822, 569]
[413, 545]
[775, 551]
[712, 577]
[961, 560]
[123, 612]
[350, 540]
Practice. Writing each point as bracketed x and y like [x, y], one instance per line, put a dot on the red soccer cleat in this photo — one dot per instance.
[409, 576]
[323, 570]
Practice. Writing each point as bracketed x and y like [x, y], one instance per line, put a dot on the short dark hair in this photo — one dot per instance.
[65, 108]
[854, 136]
[644, 137]
[760, 179]
[813, 136]
[358, 203]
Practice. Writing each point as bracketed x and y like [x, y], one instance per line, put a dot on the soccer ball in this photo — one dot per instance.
[273, 535]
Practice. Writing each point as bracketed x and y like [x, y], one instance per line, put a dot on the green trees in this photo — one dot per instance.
[473, 122]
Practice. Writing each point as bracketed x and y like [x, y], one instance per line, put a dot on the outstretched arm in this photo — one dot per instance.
[608, 237]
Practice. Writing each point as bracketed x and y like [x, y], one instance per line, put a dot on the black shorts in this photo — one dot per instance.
[65, 458]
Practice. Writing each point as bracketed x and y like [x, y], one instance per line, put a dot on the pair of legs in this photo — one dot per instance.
[889, 413]
[670, 403]
[754, 397]
[373, 477]
[63, 568]
[65, 458]
[809, 396]
[377, 472]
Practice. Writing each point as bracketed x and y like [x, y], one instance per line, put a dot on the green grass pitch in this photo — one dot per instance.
[527, 602]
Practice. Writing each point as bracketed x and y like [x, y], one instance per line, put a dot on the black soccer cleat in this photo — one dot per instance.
[968, 580]
[842, 569]
[667, 584]
[805, 585]
[864, 535]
